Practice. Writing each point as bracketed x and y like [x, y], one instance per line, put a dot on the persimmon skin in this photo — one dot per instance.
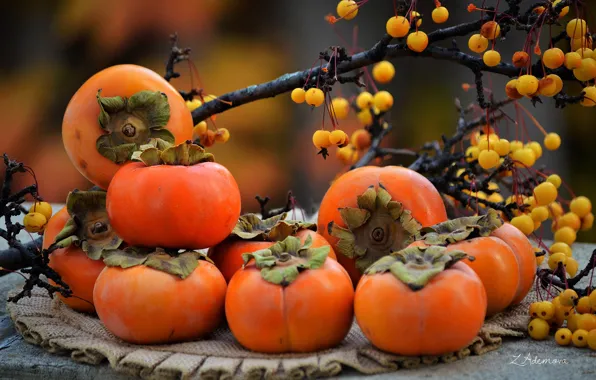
[413, 190]
[526, 258]
[168, 206]
[313, 313]
[73, 265]
[441, 318]
[496, 265]
[143, 305]
[227, 256]
[81, 129]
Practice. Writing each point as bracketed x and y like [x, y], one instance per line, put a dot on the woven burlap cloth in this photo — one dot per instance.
[50, 324]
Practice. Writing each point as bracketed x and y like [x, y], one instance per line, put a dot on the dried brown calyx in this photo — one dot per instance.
[185, 154]
[132, 122]
[88, 226]
[276, 228]
[377, 227]
[281, 263]
[416, 266]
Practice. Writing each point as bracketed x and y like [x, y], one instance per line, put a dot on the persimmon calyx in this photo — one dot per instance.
[281, 263]
[416, 266]
[88, 226]
[185, 154]
[174, 263]
[455, 230]
[276, 228]
[377, 227]
[132, 122]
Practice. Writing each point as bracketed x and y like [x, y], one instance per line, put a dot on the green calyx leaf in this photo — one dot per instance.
[377, 227]
[88, 227]
[276, 228]
[281, 263]
[416, 266]
[465, 228]
[177, 264]
[185, 154]
[132, 122]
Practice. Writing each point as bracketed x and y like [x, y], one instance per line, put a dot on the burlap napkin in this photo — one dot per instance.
[53, 326]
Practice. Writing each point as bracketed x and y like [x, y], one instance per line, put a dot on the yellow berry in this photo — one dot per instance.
[586, 71]
[555, 180]
[555, 258]
[592, 340]
[569, 219]
[491, 58]
[320, 139]
[587, 222]
[417, 41]
[488, 159]
[573, 60]
[360, 139]
[582, 42]
[576, 28]
[584, 52]
[553, 58]
[478, 43]
[564, 10]
[565, 235]
[398, 26]
[545, 193]
[533, 309]
[545, 310]
[383, 100]
[417, 16]
[524, 223]
[568, 297]
[580, 338]
[199, 130]
[364, 100]
[502, 147]
[314, 97]
[587, 322]
[35, 222]
[539, 214]
[527, 85]
[511, 90]
[383, 72]
[592, 297]
[552, 141]
[571, 266]
[581, 206]
[472, 153]
[365, 117]
[550, 85]
[589, 99]
[524, 157]
[538, 329]
[561, 247]
[347, 9]
[222, 135]
[536, 148]
[336, 137]
[563, 337]
[193, 104]
[347, 155]
[490, 30]
[298, 95]
[516, 145]
[572, 321]
[341, 108]
[440, 15]
[583, 305]
[44, 208]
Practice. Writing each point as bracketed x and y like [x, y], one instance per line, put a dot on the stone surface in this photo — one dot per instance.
[516, 359]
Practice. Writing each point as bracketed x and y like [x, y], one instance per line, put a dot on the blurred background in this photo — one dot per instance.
[51, 48]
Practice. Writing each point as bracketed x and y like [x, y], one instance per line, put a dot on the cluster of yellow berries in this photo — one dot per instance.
[367, 103]
[313, 96]
[567, 309]
[38, 216]
[348, 146]
[201, 131]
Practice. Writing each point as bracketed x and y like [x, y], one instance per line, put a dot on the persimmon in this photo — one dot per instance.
[82, 231]
[154, 297]
[420, 301]
[371, 211]
[175, 198]
[253, 234]
[290, 298]
[526, 258]
[114, 112]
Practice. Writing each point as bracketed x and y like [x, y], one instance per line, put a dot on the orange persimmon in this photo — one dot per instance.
[176, 198]
[98, 139]
[370, 211]
[290, 298]
[420, 301]
[253, 234]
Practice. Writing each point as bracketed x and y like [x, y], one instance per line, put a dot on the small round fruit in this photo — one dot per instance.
[583, 305]
[398, 26]
[336, 137]
[573, 60]
[552, 141]
[347, 9]
[488, 159]
[524, 223]
[298, 95]
[361, 139]
[545, 310]
[321, 139]
[563, 337]
[587, 222]
[511, 90]
[581, 206]
[545, 193]
[569, 219]
[592, 340]
[383, 100]
[539, 214]
[365, 117]
[341, 108]
[520, 59]
[553, 58]
[199, 130]
[555, 180]
[417, 41]
[383, 72]
[589, 99]
[440, 15]
[478, 43]
[490, 30]
[555, 259]
[502, 147]
[563, 11]
[34, 222]
[576, 28]
[580, 338]
[347, 155]
[472, 153]
[527, 85]
[586, 71]
[44, 208]
[491, 58]
[565, 235]
[364, 100]
[314, 97]
[571, 267]
[568, 297]
[538, 329]
[561, 247]
[222, 135]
